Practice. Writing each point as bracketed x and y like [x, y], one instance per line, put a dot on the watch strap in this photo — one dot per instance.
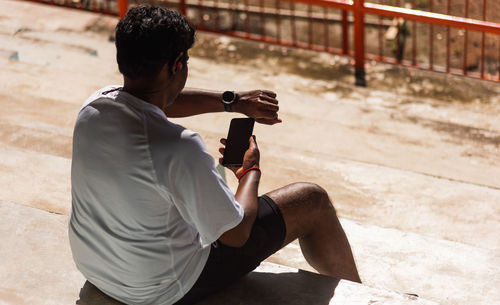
[228, 98]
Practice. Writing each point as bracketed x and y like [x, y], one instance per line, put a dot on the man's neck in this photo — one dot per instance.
[153, 91]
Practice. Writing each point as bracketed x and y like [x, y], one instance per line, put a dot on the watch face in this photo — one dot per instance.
[228, 97]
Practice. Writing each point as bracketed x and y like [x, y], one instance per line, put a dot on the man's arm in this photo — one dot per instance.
[259, 104]
[246, 195]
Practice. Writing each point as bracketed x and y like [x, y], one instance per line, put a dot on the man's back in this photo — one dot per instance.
[134, 223]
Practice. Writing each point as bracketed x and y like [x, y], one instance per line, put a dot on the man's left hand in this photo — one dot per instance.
[261, 105]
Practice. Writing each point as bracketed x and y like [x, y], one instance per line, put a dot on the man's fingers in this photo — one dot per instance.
[223, 141]
[270, 106]
[264, 105]
[221, 150]
[269, 99]
[269, 121]
[229, 167]
[270, 93]
[268, 114]
[253, 142]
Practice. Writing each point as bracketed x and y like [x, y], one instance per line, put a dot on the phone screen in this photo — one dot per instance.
[240, 131]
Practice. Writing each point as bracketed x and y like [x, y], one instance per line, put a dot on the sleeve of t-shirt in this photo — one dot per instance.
[199, 192]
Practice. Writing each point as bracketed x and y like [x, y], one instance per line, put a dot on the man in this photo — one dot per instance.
[152, 221]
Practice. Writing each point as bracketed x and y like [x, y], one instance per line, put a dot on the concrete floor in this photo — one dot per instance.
[415, 179]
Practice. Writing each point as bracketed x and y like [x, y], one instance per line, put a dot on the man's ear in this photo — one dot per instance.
[178, 65]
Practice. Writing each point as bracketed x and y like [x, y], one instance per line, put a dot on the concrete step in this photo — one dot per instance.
[438, 270]
[36, 265]
[38, 258]
[37, 268]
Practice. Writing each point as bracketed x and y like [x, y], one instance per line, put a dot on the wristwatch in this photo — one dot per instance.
[228, 98]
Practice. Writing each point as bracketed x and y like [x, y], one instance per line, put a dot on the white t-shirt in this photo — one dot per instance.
[147, 200]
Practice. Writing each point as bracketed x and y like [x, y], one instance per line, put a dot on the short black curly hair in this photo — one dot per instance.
[149, 37]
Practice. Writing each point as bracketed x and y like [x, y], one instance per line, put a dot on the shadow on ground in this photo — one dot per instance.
[303, 288]
[257, 288]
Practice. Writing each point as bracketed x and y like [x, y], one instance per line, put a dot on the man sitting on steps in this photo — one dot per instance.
[152, 221]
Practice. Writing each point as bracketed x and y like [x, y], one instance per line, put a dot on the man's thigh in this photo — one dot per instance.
[301, 205]
[227, 264]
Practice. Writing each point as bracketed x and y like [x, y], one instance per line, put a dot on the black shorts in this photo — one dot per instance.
[227, 264]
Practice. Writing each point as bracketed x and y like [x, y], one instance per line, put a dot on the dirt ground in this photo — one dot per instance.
[415, 152]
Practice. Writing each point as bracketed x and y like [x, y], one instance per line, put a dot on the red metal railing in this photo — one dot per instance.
[315, 25]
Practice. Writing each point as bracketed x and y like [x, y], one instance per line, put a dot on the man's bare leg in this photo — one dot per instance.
[310, 216]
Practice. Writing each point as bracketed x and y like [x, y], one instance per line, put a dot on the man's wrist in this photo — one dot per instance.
[236, 106]
[253, 172]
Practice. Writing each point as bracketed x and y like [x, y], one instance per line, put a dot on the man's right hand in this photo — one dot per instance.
[261, 105]
[246, 195]
[250, 159]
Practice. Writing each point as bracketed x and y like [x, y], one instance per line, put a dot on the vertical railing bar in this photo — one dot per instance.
[431, 39]
[345, 33]
[448, 42]
[278, 21]
[414, 38]
[398, 35]
[233, 14]
[380, 38]
[292, 20]
[325, 24]
[483, 41]
[309, 24]
[182, 7]
[466, 39]
[216, 11]
[262, 20]
[122, 8]
[247, 19]
[359, 43]
[200, 13]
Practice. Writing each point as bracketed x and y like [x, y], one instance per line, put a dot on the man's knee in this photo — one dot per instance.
[316, 195]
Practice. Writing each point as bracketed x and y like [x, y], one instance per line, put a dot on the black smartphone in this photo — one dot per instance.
[240, 131]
